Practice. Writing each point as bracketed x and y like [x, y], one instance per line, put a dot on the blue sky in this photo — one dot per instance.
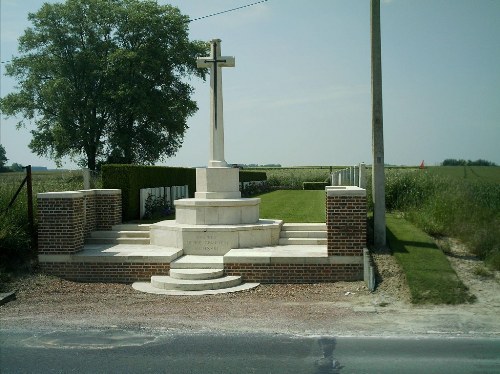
[300, 91]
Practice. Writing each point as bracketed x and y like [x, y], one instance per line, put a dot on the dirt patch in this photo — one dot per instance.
[482, 282]
[391, 280]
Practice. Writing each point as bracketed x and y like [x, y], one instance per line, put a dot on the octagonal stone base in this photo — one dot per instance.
[217, 211]
[215, 240]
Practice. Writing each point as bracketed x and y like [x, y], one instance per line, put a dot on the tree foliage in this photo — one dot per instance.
[104, 80]
[3, 158]
[455, 162]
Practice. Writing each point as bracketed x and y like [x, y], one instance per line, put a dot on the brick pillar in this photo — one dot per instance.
[346, 220]
[61, 221]
[90, 212]
[108, 208]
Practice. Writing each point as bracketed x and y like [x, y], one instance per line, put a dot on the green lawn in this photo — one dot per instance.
[293, 206]
[429, 274]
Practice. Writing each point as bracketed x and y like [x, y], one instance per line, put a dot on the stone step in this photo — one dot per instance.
[169, 283]
[302, 241]
[119, 234]
[131, 227]
[303, 234]
[146, 287]
[304, 227]
[198, 262]
[104, 240]
[196, 274]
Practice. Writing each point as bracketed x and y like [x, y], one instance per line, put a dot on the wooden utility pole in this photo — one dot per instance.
[378, 174]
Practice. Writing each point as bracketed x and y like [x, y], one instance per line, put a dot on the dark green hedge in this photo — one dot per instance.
[252, 176]
[314, 185]
[131, 178]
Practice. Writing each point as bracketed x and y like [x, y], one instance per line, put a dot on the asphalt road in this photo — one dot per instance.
[119, 351]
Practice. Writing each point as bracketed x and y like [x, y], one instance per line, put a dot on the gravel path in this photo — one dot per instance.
[342, 309]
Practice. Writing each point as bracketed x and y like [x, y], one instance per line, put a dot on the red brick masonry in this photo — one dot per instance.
[346, 221]
[60, 223]
[65, 219]
[105, 271]
[295, 273]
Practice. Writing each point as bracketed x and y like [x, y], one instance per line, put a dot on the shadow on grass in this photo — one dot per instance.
[401, 246]
[430, 277]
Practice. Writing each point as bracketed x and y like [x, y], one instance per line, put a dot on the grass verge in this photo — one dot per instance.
[430, 276]
[293, 206]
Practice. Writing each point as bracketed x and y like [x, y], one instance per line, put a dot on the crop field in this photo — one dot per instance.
[68, 180]
[481, 173]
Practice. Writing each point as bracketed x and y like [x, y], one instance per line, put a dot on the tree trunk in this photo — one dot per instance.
[91, 162]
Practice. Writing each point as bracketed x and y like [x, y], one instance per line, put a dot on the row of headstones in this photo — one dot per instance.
[170, 194]
[167, 194]
[350, 176]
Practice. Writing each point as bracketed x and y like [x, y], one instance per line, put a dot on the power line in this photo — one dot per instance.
[227, 11]
[199, 18]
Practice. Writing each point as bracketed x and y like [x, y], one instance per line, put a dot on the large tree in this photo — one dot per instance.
[104, 80]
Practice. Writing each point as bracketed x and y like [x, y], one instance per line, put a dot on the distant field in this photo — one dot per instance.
[293, 177]
[483, 173]
[43, 181]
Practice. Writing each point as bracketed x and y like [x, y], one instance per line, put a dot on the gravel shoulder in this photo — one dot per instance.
[341, 309]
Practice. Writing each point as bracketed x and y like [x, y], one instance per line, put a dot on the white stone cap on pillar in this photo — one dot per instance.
[87, 192]
[59, 195]
[108, 191]
[345, 191]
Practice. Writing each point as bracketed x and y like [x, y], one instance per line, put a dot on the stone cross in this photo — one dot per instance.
[215, 62]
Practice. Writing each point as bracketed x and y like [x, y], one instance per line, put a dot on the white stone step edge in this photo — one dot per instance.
[131, 227]
[303, 234]
[119, 234]
[198, 262]
[169, 283]
[137, 241]
[303, 227]
[304, 241]
[146, 287]
[196, 274]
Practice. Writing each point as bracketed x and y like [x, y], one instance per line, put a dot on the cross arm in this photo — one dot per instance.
[222, 61]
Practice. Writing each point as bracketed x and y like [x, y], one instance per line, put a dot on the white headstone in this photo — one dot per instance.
[215, 62]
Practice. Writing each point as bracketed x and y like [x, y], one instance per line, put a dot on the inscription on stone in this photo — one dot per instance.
[208, 242]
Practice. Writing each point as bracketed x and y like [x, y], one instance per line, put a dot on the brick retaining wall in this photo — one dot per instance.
[105, 271]
[295, 273]
[65, 219]
[90, 212]
[108, 208]
[60, 222]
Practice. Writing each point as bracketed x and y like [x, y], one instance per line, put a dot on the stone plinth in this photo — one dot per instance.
[215, 240]
[217, 211]
[217, 183]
